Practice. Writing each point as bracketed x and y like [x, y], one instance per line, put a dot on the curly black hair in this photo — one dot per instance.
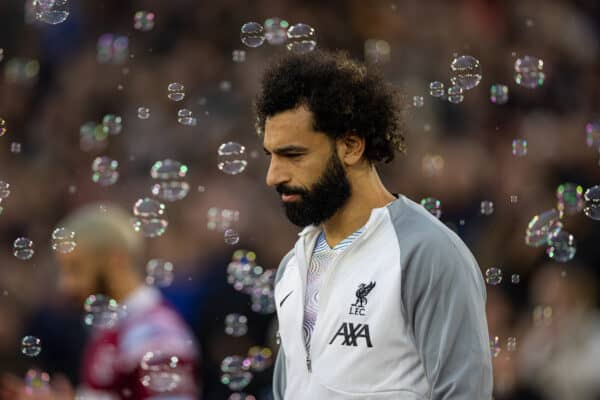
[343, 96]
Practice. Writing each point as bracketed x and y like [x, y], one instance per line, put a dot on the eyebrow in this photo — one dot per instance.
[287, 149]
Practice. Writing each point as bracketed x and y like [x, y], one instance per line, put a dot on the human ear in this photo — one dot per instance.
[351, 149]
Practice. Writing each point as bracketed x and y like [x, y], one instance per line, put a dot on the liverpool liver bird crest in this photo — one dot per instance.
[362, 293]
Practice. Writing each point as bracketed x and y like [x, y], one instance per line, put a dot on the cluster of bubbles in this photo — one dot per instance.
[496, 349]
[94, 136]
[23, 248]
[529, 72]
[519, 147]
[232, 158]
[591, 199]
[246, 276]
[169, 176]
[36, 381]
[144, 21]
[300, 37]
[237, 371]
[493, 276]
[499, 93]
[161, 372]
[433, 205]
[149, 217]
[63, 240]
[105, 171]
[159, 272]
[112, 49]
[51, 11]
[101, 311]
[31, 346]
[221, 219]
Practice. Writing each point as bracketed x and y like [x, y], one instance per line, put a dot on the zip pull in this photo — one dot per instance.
[308, 363]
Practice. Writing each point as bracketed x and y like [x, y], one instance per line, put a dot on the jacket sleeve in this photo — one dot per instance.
[279, 378]
[443, 296]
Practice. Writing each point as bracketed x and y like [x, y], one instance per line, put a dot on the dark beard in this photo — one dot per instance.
[330, 193]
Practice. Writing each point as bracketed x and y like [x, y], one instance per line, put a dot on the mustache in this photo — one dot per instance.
[282, 189]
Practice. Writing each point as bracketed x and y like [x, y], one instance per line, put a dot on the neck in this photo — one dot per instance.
[368, 192]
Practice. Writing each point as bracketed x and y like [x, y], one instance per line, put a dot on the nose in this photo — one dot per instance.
[275, 175]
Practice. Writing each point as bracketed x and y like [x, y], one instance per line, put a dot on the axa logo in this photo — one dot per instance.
[358, 308]
[351, 334]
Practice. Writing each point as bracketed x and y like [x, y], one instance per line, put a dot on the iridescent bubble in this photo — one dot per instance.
[159, 272]
[161, 372]
[235, 374]
[236, 325]
[92, 136]
[259, 358]
[455, 94]
[149, 219]
[105, 171]
[418, 101]
[232, 158]
[499, 94]
[515, 278]
[63, 240]
[377, 51]
[252, 34]
[4, 190]
[168, 169]
[262, 300]
[225, 86]
[221, 219]
[36, 381]
[466, 72]
[112, 49]
[495, 346]
[519, 147]
[511, 344]
[51, 11]
[542, 315]
[570, 198]
[514, 198]
[1, 58]
[112, 123]
[100, 311]
[301, 38]
[3, 128]
[231, 237]
[23, 248]
[541, 227]
[238, 56]
[184, 117]
[171, 190]
[561, 246]
[241, 396]
[233, 364]
[21, 70]
[432, 164]
[31, 346]
[242, 271]
[493, 276]
[592, 202]
[15, 147]
[276, 31]
[592, 134]
[528, 72]
[487, 207]
[144, 21]
[433, 205]
[143, 112]
[176, 91]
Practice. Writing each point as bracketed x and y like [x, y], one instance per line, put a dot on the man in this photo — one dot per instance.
[107, 261]
[378, 299]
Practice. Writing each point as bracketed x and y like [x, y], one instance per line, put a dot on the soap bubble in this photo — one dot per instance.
[487, 207]
[144, 21]
[112, 49]
[561, 246]
[92, 136]
[232, 158]
[542, 315]
[519, 147]
[592, 131]
[171, 191]
[159, 272]
[252, 34]
[15, 147]
[418, 101]
[592, 202]
[276, 30]
[105, 171]
[241, 396]
[236, 325]
[161, 372]
[511, 344]
[238, 56]
[176, 91]
[23, 248]
[185, 117]
[259, 358]
[22, 70]
[149, 219]
[541, 227]
[36, 381]
[515, 278]
[169, 172]
[4, 190]
[377, 51]
[499, 94]
[495, 346]
[31, 346]
[455, 94]
[101, 311]
[433, 205]
[52, 12]
[112, 123]
[221, 219]
[528, 72]
[466, 72]
[168, 169]
[235, 374]
[301, 38]
[63, 240]
[143, 112]
[231, 237]
[3, 128]
[570, 198]
[493, 276]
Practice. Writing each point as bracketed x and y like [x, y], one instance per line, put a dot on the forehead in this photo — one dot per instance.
[292, 127]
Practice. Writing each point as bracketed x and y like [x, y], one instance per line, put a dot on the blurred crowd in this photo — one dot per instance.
[457, 153]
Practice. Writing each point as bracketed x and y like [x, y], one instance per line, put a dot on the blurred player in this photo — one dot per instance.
[378, 299]
[108, 260]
